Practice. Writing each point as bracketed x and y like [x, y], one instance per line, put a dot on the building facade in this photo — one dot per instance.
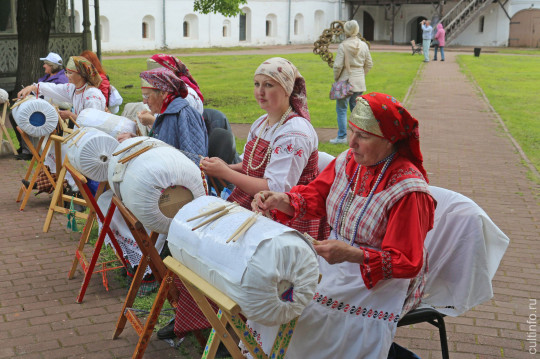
[154, 24]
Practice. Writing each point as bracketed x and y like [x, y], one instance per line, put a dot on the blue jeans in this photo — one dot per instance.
[341, 110]
[442, 52]
[425, 46]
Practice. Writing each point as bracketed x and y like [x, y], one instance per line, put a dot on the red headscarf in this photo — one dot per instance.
[165, 80]
[180, 69]
[397, 126]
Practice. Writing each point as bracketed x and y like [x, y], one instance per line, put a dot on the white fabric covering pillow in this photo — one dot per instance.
[91, 154]
[36, 117]
[106, 122]
[255, 270]
[141, 182]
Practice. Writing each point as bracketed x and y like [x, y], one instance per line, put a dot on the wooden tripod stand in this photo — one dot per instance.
[229, 314]
[58, 198]
[34, 168]
[150, 257]
[5, 132]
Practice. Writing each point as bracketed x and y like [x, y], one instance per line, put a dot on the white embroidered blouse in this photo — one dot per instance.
[292, 145]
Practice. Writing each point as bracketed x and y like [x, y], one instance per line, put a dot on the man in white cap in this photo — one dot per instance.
[54, 72]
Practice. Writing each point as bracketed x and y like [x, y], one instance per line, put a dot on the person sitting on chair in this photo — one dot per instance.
[81, 91]
[377, 200]
[54, 73]
[177, 123]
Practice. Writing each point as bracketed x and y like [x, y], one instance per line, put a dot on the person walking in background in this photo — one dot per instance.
[426, 38]
[352, 63]
[440, 37]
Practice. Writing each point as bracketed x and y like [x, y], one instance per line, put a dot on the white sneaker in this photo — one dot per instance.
[338, 140]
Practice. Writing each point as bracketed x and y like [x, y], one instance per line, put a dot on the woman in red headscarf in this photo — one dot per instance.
[377, 201]
[194, 96]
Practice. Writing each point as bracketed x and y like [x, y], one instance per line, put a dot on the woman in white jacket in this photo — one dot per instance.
[356, 53]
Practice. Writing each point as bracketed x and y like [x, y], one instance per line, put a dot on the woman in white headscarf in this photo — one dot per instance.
[355, 52]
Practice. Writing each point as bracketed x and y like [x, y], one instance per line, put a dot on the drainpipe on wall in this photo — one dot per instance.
[289, 25]
[339, 9]
[164, 27]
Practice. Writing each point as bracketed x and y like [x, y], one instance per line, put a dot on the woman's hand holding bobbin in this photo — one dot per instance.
[26, 91]
[265, 201]
[335, 251]
[215, 167]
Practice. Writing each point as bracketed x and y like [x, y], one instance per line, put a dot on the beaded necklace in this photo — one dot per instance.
[269, 149]
[341, 215]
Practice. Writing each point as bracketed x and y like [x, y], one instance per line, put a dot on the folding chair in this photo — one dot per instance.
[5, 132]
[464, 250]
[416, 48]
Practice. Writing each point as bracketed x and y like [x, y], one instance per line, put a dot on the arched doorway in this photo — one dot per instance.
[415, 29]
[525, 29]
[369, 27]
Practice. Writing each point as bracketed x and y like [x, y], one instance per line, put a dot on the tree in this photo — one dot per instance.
[224, 7]
[34, 19]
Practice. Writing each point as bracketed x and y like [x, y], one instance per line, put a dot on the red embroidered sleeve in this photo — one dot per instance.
[309, 201]
[401, 253]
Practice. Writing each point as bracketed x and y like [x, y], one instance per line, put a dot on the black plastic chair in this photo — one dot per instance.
[432, 317]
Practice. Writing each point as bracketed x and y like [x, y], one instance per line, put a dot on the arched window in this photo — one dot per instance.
[144, 30]
[226, 28]
[271, 25]
[319, 22]
[481, 24]
[104, 28]
[148, 27]
[186, 29]
[299, 24]
[190, 27]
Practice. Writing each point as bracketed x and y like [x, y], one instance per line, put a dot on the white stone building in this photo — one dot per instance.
[154, 24]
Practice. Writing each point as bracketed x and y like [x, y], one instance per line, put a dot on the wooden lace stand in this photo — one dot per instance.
[34, 168]
[37, 162]
[228, 314]
[150, 257]
[59, 198]
[5, 132]
[94, 214]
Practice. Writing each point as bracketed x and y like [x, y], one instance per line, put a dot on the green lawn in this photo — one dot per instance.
[511, 83]
[518, 51]
[227, 81]
[182, 51]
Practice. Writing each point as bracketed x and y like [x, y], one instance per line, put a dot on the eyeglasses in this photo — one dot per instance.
[145, 96]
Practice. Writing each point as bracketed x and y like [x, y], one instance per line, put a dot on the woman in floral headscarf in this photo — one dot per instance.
[177, 123]
[194, 96]
[81, 91]
[281, 149]
[377, 201]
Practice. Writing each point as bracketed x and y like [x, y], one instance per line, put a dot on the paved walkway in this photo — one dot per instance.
[465, 150]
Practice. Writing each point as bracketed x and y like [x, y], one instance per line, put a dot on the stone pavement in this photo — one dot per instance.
[465, 150]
